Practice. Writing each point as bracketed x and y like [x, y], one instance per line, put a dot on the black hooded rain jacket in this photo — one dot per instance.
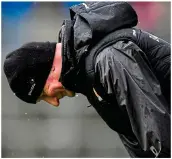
[127, 81]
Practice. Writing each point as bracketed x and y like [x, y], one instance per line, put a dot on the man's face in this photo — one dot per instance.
[53, 90]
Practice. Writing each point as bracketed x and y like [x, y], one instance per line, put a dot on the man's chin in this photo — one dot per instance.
[70, 94]
[58, 103]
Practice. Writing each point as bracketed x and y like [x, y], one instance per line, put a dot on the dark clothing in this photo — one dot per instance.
[126, 81]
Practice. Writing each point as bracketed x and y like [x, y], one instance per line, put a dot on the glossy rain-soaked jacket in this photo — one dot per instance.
[127, 81]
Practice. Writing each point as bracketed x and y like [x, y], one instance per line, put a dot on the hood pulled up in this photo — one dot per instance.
[89, 23]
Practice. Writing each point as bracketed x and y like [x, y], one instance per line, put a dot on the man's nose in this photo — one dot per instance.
[54, 88]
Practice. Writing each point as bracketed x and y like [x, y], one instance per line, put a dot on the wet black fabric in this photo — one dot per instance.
[155, 52]
[132, 78]
[126, 76]
[83, 31]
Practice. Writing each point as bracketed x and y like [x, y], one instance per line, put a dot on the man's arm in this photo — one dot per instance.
[126, 75]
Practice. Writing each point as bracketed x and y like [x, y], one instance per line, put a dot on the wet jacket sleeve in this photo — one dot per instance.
[124, 74]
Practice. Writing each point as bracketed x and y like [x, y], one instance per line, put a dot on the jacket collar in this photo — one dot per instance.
[70, 77]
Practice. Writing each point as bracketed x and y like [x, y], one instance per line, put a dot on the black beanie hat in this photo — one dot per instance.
[27, 69]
